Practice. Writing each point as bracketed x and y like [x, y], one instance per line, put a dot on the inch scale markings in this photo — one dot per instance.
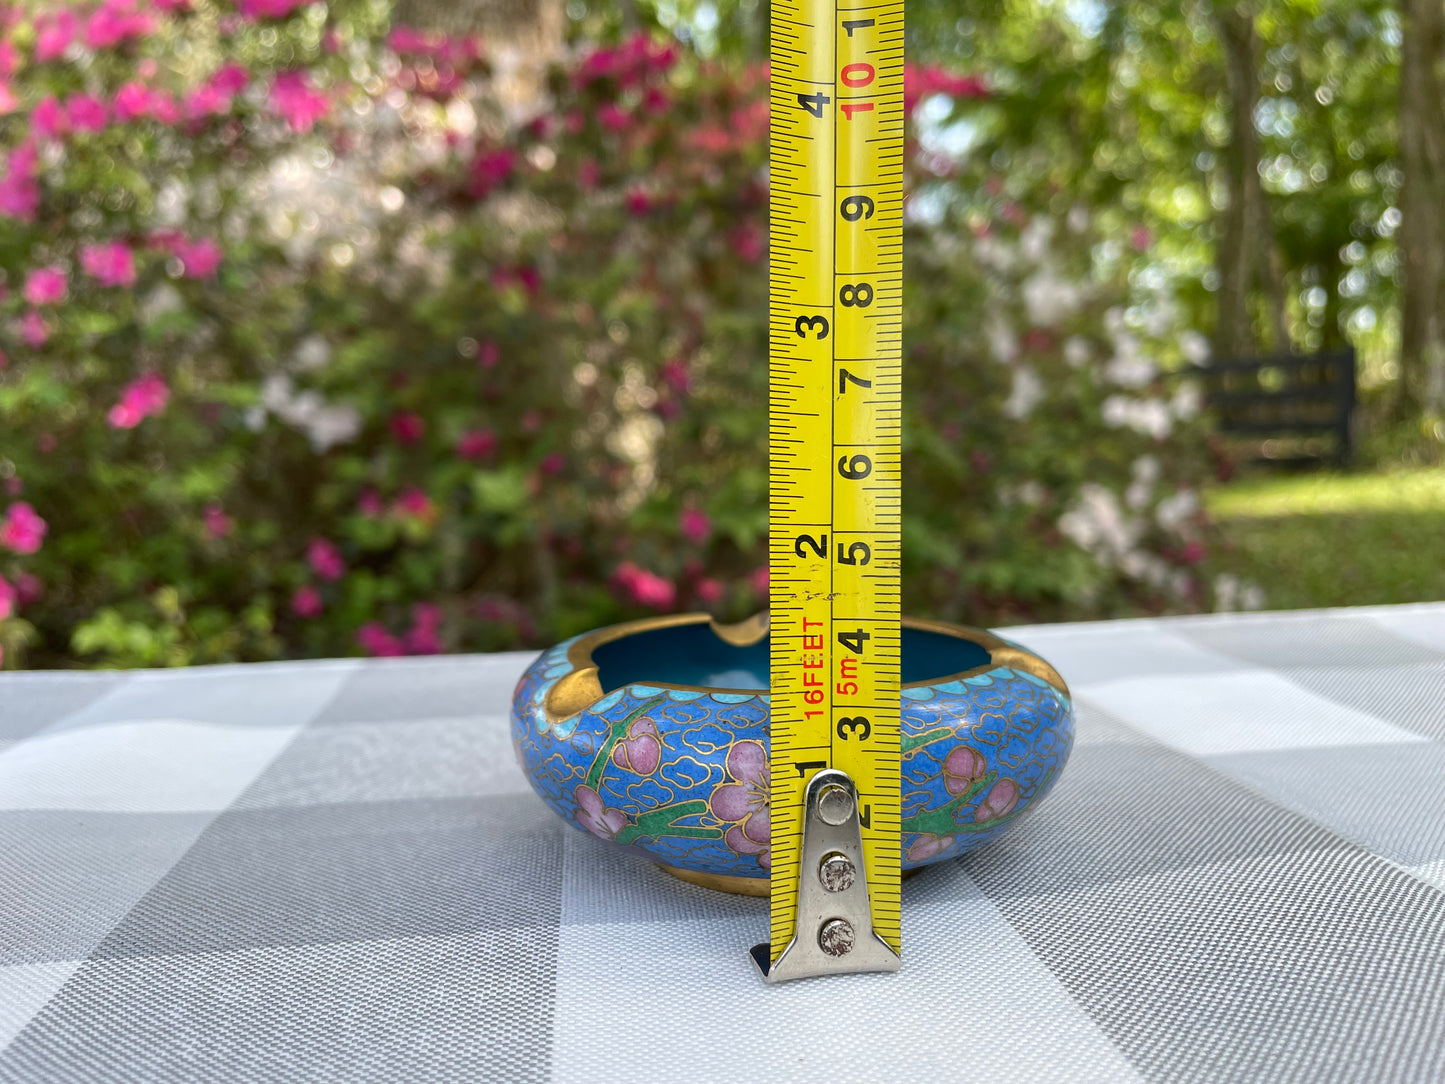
[835, 401]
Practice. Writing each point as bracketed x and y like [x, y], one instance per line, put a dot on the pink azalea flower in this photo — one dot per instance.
[612, 118]
[132, 100]
[116, 21]
[593, 815]
[962, 768]
[111, 264]
[477, 444]
[86, 113]
[19, 190]
[1140, 238]
[218, 524]
[488, 354]
[758, 580]
[48, 120]
[1194, 552]
[674, 374]
[919, 83]
[645, 588]
[369, 504]
[552, 463]
[749, 243]
[377, 642]
[230, 79]
[199, 258]
[7, 599]
[927, 846]
[45, 286]
[8, 102]
[407, 427]
[415, 505]
[54, 32]
[490, 170]
[296, 102]
[1000, 800]
[325, 560]
[306, 602]
[745, 802]
[34, 331]
[9, 58]
[708, 591]
[22, 530]
[270, 9]
[28, 589]
[424, 636]
[142, 398]
[695, 525]
[640, 751]
[638, 202]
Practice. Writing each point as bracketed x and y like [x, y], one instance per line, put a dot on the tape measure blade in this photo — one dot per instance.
[834, 421]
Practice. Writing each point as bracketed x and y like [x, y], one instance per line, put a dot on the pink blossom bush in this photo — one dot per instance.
[289, 374]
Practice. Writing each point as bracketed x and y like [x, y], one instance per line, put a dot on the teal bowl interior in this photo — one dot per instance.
[694, 655]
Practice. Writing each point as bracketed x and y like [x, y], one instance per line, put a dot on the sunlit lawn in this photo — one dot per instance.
[1337, 539]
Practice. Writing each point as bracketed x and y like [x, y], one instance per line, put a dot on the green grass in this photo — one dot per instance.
[1337, 539]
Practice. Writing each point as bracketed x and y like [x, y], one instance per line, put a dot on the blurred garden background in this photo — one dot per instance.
[397, 328]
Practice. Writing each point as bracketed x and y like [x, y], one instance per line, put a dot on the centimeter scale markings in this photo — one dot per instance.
[835, 412]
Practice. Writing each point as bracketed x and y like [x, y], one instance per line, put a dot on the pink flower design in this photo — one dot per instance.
[477, 444]
[695, 525]
[22, 530]
[645, 588]
[962, 768]
[34, 330]
[407, 427]
[299, 105]
[745, 802]
[111, 264]
[54, 33]
[641, 750]
[325, 560]
[270, 9]
[593, 815]
[218, 524]
[7, 599]
[44, 286]
[306, 602]
[927, 846]
[377, 642]
[142, 398]
[1000, 800]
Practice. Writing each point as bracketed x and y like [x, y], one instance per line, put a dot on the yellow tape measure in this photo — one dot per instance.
[835, 391]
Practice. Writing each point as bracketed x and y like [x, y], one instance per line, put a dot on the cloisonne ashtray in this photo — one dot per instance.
[653, 735]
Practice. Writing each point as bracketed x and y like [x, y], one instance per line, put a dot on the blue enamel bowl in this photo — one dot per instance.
[653, 735]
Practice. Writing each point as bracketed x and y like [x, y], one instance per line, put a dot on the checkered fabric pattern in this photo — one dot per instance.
[335, 871]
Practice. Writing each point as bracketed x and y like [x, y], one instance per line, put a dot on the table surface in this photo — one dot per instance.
[335, 871]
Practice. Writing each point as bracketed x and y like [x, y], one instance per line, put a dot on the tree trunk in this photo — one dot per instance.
[1245, 254]
[1422, 208]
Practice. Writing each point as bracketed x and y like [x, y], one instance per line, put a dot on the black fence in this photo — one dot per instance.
[1286, 396]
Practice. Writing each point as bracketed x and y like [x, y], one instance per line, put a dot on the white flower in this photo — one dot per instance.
[1002, 342]
[1097, 523]
[1130, 371]
[312, 352]
[1078, 218]
[1027, 392]
[332, 425]
[1172, 511]
[1226, 591]
[1049, 298]
[1148, 416]
[1187, 402]
[1034, 240]
[1076, 351]
[1252, 598]
[1194, 346]
[994, 253]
